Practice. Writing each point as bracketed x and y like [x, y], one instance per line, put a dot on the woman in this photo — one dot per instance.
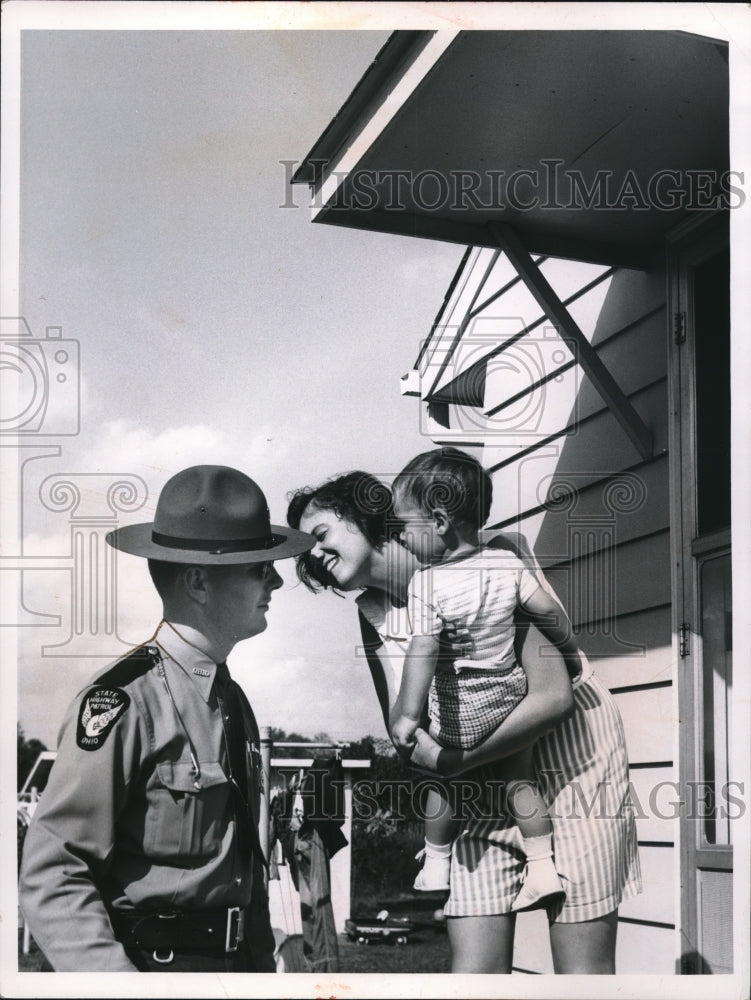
[580, 757]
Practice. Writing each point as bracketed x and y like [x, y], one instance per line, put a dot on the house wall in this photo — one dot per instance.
[597, 518]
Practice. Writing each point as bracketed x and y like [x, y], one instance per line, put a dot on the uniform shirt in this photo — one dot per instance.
[125, 820]
[478, 591]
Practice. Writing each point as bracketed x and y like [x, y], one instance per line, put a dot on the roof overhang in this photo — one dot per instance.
[592, 145]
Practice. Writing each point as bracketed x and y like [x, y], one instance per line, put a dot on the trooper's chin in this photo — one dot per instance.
[257, 628]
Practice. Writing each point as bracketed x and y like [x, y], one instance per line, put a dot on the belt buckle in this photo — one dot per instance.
[235, 928]
[170, 956]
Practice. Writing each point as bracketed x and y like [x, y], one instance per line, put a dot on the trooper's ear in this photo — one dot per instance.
[195, 582]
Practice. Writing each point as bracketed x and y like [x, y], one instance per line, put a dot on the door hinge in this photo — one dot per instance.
[679, 327]
[684, 644]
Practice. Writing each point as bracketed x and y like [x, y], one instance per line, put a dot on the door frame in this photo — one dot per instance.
[689, 246]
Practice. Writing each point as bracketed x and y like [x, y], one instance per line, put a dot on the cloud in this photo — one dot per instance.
[302, 674]
[125, 446]
[308, 695]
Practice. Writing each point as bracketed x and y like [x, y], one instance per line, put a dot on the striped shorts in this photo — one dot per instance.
[582, 773]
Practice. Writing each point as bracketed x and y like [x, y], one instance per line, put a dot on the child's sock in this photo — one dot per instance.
[541, 880]
[434, 874]
[538, 847]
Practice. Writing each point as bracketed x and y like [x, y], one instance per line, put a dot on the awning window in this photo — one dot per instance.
[529, 335]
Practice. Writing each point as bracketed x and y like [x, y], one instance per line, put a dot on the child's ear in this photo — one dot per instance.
[441, 520]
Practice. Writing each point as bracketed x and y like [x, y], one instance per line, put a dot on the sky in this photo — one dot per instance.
[216, 324]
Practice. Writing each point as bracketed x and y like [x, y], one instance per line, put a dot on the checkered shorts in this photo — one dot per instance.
[466, 706]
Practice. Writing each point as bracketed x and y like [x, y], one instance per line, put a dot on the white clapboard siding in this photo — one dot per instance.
[637, 574]
[649, 720]
[605, 548]
[525, 469]
[547, 531]
[656, 902]
[620, 665]
[656, 801]
[636, 357]
[632, 295]
[646, 949]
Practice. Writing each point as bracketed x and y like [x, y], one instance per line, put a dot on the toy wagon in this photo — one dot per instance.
[363, 930]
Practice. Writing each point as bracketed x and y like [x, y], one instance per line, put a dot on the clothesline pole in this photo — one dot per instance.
[266, 743]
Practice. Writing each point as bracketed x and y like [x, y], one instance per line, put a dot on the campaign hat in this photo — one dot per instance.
[211, 515]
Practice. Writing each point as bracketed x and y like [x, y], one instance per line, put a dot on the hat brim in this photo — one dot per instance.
[136, 539]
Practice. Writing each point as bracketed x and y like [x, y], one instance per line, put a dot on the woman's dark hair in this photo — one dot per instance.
[448, 478]
[356, 497]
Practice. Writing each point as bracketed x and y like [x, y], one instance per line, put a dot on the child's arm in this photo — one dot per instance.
[419, 668]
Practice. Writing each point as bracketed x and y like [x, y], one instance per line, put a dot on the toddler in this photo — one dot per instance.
[442, 498]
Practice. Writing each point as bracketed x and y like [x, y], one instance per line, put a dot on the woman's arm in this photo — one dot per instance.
[549, 700]
[550, 618]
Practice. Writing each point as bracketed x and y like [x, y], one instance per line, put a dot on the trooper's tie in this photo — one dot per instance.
[235, 738]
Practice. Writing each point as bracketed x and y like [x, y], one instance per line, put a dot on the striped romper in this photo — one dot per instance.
[582, 772]
[478, 591]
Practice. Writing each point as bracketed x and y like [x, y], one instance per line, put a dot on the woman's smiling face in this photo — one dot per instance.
[342, 551]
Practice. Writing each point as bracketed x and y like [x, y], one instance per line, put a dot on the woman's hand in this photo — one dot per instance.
[425, 753]
[432, 756]
[403, 733]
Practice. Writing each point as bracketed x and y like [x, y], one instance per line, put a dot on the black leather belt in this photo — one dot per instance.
[168, 931]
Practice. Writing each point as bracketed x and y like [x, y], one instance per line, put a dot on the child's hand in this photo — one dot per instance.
[403, 732]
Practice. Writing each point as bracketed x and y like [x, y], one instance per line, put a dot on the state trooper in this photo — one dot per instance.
[143, 853]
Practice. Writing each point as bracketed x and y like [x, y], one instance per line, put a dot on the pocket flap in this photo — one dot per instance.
[179, 775]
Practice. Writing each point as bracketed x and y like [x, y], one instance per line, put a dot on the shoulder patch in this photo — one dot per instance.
[132, 666]
[101, 707]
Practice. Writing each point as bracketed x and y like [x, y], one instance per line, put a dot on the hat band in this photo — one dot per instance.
[217, 546]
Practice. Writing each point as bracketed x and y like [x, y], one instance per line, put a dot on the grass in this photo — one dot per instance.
[426, 951]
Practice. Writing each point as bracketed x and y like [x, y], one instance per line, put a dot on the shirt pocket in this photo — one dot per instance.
[188, 815]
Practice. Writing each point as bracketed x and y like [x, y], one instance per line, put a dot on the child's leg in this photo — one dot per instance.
[523, 798]
[527, 806]
[440, 825]
[440, 830]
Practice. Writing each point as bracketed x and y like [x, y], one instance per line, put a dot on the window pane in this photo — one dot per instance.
[717, 679]
[712, 317]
